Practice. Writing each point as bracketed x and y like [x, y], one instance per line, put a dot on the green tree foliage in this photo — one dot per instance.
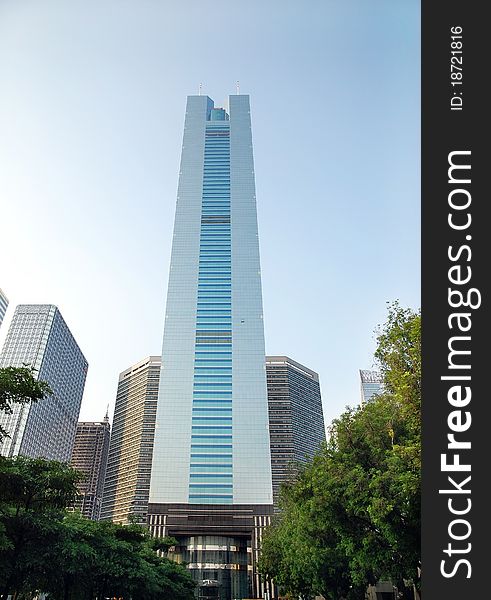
[352, 516]
[33, 495]
[45, 548]
[18, 385]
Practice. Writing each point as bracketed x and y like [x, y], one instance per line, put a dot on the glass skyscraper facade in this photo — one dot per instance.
[211, 469]
[296, 420]
[90, 457]
[127, 479]
[212, 441]
[3, 305]
[371, 384]
[39, 337]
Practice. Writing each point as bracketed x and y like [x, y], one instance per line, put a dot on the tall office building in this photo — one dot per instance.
[211, 473]
[371, 384]
[38, 336]
[89, 456]
[4, 302]
[127, 480]
[296, 421]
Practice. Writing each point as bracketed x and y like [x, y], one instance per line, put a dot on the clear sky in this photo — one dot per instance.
[92, 100]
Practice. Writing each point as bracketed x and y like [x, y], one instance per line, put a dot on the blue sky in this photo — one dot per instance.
[92, 99]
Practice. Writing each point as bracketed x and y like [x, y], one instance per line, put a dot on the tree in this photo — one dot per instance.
[33, 495]
[352, 516]
[46, 548]
[18, 385]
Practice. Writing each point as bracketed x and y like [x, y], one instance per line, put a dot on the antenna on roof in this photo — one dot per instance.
[106, 418]
[199, 89]
[237, 87]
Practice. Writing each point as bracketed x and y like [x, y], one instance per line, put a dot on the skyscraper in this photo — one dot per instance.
[211, 473]
[4, 302]
[296, 421]
[127, 479]
[371, 384]
[38, 336]
[89, 456]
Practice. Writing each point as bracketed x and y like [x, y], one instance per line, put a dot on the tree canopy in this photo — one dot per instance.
[18, 385]
[352, 515]
[45, 548]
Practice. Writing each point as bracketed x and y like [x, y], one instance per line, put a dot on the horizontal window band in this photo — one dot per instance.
[212, 278]
[205, 499]
[215, 460]
[214, 332]
[211, 342]
[212, 254]
[218, 252]
[210, 467]
[210, 437]
[218, 428]
[212, 320]
[207, 298]
[212, 347]
[214, 366]
[205, 481]
[205, 486]
[212, 370]
[217, 332]
[209, 355]
[219, 224]
[210, 395]
[209, 276]
[214, 431]
[212, 411]
[207, 358]
[217, 401]
[221, 309]
[214, 402]
[204, 420]
[209, 455]
[209, 330]
[213, 381]
[222, 464]
[224, 446]
[224, 386]
[213, 313]
[215, 237]
[221, 477]
[216, 382]
[215, 335]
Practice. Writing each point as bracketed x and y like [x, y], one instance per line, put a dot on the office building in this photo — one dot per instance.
[296, 421]
[4, 302]
[89, 456]
[371, 384]
[211, 482]
[129, 462]
[39, 337]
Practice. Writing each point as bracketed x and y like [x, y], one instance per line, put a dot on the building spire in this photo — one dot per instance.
[237, 87]
[199, 89]
[106, 418]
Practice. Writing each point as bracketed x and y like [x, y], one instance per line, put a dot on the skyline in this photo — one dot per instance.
[85, 117]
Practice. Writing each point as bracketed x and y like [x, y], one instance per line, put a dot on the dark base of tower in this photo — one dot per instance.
[220, 545]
